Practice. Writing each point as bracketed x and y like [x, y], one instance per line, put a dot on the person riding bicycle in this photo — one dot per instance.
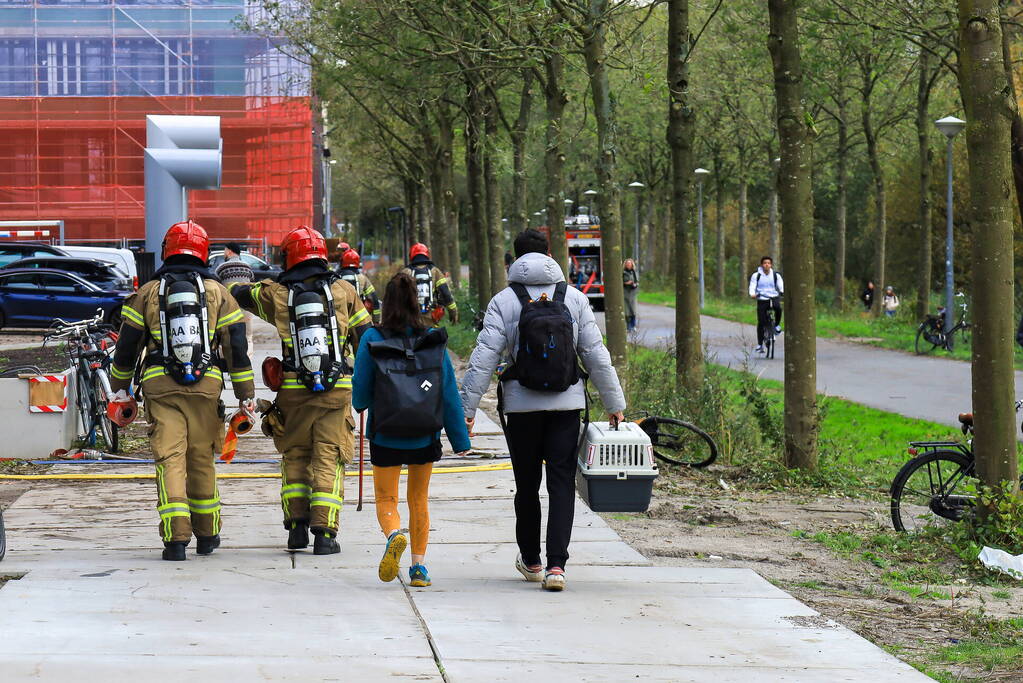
[766, 287]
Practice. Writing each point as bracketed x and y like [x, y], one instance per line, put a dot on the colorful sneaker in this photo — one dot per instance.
[531, 572]
[554, 579]
[391, 561]
[418, 576]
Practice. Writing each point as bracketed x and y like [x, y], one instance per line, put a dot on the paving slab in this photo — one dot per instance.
[96, 603]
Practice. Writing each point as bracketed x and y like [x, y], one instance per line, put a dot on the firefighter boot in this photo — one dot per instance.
[205, 545]
[325, 543]
[298, 537]
[174, 550]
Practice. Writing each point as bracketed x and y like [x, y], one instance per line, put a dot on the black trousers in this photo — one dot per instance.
[535, 438]
[762, 307]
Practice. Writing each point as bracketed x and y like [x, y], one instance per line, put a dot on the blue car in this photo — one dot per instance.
[33, 297]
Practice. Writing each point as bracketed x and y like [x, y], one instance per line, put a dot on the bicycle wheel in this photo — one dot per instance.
[930, 490]
[680, 443]
[923, 344]
[106, 427]
[964, 334]
[83, 398]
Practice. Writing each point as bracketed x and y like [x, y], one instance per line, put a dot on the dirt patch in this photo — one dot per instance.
[46, 358]
[807, 545]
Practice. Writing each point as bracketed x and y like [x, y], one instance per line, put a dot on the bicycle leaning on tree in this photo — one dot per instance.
[89, 345]
[931, 333]
[938, 484]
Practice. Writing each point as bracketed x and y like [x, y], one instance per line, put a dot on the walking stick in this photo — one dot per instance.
[362, 454]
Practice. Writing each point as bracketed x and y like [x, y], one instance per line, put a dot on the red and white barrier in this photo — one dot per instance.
[24, 233]
[50, 407]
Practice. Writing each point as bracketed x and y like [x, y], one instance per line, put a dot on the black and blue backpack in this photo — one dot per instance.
[546, 359]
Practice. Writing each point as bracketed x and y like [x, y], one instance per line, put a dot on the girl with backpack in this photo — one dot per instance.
[407, 409]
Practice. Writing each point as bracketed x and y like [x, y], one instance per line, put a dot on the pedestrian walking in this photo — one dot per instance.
[431, 286]
[315, 313]
[766, 287]
[890, 302]
[351, 272]
[544, 329]
[234, 270]
[406, 411]
[187, 325]
[867, 297]
[630, 280]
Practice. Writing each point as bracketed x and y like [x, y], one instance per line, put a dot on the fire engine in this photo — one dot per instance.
[585, 258]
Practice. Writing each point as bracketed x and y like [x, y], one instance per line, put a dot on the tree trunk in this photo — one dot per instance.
[719, 226]
[477, 234]
[594, 50]
[446, 143]
[841, 181]
[1017, 121]
[880, 203]
[795, 140]
[923, 129]
[554, 158]
[681, 120]
[518, 218]
[424, 212]
[743, 237]
[772, 210]
[987, 99]
[495, 227]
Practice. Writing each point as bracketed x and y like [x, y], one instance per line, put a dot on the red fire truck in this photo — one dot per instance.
[585, 258]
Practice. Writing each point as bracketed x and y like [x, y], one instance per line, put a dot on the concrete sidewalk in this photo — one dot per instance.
[96, 603]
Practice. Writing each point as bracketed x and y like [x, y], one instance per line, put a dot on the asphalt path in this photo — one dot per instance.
[927, 387]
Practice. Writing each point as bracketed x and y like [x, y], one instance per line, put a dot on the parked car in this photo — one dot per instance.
[15, 251]
[101, 273]
[124, 259]
[260, 268]
[33, 297]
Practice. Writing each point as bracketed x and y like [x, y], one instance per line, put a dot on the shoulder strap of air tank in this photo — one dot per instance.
[161, 300]
[205, 312]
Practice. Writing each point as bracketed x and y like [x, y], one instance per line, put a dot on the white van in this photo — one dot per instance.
[124, 259]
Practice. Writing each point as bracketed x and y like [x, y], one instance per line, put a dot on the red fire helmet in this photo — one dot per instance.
[417, 249]
[343, 247]
[351, 259]
[186, 237]
[301, 244]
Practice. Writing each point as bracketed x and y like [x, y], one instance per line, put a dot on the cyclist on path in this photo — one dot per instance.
[766, 287]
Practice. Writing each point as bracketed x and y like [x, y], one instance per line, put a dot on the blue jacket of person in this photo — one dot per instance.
[362, 398]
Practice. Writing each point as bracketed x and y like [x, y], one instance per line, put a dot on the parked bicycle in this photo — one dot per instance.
[935, 485]
[679, 442]
[931, 333]
[89, 345]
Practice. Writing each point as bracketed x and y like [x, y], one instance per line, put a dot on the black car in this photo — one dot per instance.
[16, 251]
[260, 268]
[100, 273]
[33, 297]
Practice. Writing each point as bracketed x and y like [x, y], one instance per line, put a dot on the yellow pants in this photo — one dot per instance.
[315, 443]
[385, 491]
[184, 430]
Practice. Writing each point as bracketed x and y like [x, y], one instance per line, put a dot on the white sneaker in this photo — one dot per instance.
[554, 579]
[777, 329]
[760, 349]
[533, 573]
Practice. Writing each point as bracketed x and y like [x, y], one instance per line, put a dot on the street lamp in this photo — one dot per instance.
[638, 187]
[700, 173]
[589, 194]
[950, 127]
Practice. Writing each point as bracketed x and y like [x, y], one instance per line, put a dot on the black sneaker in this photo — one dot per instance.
[298, 536]
[174, 551]
[325, 543]
[205, 545]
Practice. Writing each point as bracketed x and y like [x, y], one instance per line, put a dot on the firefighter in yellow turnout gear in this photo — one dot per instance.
[187, 325]
[316, 315]
[432, 286]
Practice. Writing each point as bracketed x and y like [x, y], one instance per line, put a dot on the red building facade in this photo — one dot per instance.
[75, 89]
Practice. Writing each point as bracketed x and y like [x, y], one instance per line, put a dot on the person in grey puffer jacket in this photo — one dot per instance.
[542, 426]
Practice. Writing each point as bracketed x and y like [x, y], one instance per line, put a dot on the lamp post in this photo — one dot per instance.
[638, 187]
[568, 207]
[950, 127]
[589, 194]
[700, 173]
